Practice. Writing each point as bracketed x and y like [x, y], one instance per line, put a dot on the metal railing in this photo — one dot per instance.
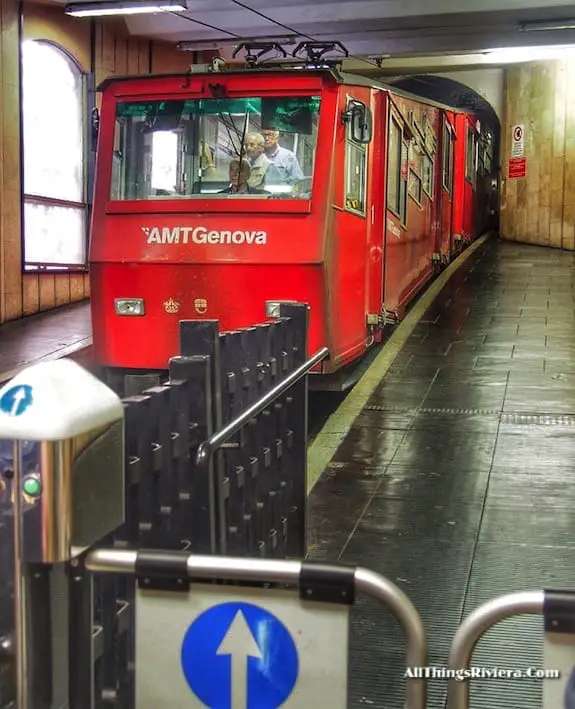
[207, 449]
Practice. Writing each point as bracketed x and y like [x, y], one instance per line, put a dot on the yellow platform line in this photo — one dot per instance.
[328, 440]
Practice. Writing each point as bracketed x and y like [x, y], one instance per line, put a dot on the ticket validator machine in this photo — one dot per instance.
[62, 457]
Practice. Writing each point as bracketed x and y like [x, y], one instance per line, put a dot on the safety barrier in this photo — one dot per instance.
[286, 640]
[558, 610]
[92, 617]
[133, 472]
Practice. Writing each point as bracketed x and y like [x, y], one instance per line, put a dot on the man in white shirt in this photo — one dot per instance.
[284, 160]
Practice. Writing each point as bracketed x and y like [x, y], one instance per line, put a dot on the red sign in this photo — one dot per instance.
[517, 168]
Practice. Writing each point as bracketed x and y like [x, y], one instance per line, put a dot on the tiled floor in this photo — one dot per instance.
[55, 333]
[457, 479]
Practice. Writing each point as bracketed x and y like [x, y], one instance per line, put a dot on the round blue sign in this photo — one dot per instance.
[16, 400]
[238, 654]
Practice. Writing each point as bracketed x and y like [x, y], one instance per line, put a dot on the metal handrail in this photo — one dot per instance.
[227, 568]
[207, 448]
[472, 629]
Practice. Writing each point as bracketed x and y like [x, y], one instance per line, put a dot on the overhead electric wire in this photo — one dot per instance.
[204, 24]
[268, 19]
[300, 34]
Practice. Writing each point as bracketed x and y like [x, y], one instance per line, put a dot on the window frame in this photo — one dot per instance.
[396, 208]
[352, 146]
[471, 156]
[431, 160]
[411, 171]
[404, 182]
[87, 103]
[447, 167]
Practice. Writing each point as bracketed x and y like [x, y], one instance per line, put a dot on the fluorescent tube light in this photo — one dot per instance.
[194, 45]
[518, 55]
[547, 26]
[135, 7]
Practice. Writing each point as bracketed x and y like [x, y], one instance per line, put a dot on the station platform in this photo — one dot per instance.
[455, 479]
[62, 332]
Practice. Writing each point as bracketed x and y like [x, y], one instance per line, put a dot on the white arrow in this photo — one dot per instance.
[240, 644]
[19, 394]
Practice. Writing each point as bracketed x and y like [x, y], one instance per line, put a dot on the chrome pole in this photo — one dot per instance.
[472, 629]
[20, 587]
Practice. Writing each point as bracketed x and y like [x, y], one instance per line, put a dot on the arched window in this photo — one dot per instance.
[53, 142]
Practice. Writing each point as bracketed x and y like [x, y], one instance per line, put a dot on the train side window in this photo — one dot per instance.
[355, 165]
[414, 184]
[447, 159]
[355, 178]
[394, 167]
[403, 182]
[471, 157]
[427, 169]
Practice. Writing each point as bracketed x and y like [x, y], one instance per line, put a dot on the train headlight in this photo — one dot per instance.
[129, 306]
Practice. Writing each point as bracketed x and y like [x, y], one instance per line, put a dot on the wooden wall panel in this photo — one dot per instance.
[10, 248]
[540, 208]
[114, 52]
[47, 285]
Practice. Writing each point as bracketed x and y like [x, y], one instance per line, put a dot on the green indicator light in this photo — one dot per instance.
[32, 486]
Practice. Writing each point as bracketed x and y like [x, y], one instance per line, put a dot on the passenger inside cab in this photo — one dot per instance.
[284, 161]
[239, 174]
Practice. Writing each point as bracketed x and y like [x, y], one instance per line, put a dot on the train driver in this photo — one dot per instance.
[284, 160]
[261, 167]
[239, 172]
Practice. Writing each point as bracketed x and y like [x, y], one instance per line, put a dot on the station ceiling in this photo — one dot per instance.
[392, 34]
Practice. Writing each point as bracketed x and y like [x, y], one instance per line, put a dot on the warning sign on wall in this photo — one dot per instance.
[518, 141]
[517, 168]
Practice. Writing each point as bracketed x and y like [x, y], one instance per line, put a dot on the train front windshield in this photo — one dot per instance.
[218, 148]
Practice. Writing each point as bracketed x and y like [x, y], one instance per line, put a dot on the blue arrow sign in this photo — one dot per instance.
[239, 656]
[16, 400]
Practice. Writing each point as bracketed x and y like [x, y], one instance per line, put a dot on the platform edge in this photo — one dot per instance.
[336, 427]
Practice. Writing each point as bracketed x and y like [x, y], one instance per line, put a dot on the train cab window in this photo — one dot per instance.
[447, 159]
[355, 166]
[258, 147]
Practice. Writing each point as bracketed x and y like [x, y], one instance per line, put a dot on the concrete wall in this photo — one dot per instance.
[489, 83]
[114, 53]
[540, 207]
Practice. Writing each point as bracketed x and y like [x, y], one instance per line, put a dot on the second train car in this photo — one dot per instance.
[217, 192]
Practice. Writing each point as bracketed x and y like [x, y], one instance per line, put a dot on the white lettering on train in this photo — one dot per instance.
[201, 235]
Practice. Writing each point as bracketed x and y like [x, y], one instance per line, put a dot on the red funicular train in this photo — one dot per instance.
[348, 196]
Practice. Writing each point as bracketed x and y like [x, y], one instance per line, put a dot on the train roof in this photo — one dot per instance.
[340, 77]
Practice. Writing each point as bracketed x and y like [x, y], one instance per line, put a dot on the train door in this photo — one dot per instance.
[376, 243]
[462, 188]
[471, 169]
[396, 264]
[445, 188]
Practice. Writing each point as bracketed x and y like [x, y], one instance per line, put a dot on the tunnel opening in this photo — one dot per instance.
[458, 95]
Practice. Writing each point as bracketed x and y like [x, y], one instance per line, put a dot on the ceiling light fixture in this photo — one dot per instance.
[519, 55]
[192, 46]
[547, 26]
[135, 7]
